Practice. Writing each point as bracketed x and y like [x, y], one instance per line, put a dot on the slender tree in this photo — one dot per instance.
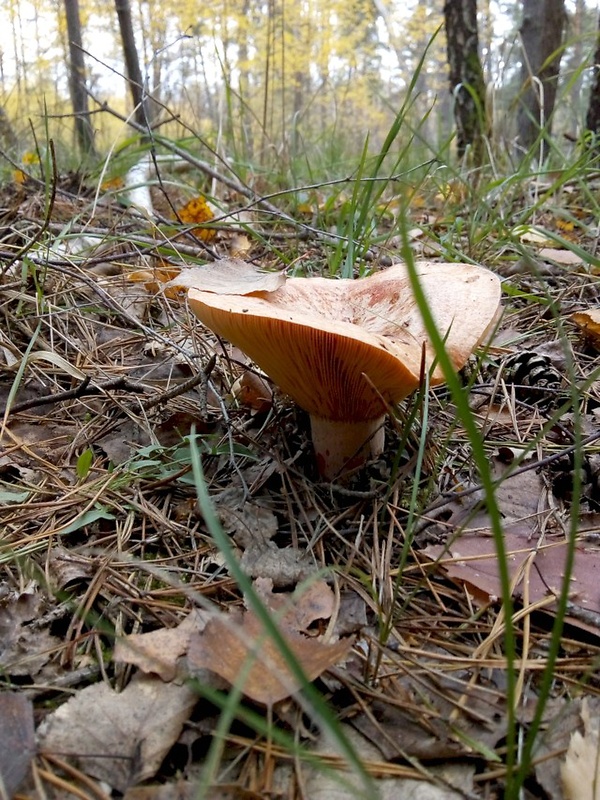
[542, 31]
[466, 76]
[141, 102]
[77, 82]
[8, 137]
[593, 113]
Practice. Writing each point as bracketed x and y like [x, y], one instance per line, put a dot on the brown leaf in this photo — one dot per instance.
[65, 568]
[158, 651]
[535, 561]
[225, 276]
[17, 740]
[253, 392]
[238, 648]
[566, 722]
[153, 279]
[119, 737]
[454, 780]
[473, 560]
[24, 651]
[298, 610]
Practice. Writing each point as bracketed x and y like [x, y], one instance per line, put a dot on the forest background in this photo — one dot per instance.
[271, 81]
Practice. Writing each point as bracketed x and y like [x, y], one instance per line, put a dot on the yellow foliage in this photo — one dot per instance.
[198, 211]
[28, 158]
[112, 183]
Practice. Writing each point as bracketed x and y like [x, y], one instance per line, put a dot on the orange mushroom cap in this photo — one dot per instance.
[343, 349]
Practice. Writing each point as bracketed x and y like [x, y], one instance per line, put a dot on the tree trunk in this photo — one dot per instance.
[466, 76]
[140, 99]
[77, 89]
[542, 37]
[593, 113]
[8, 137]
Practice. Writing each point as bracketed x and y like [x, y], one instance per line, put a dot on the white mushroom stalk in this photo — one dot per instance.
[345, 350]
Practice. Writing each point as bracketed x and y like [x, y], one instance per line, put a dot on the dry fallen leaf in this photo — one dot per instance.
[252, 391]
[562, 718]
[17, 740]
[253, 526]
[119, 737]
[580, 772]
[459, 712]
[183, 789]
[225, 276]
[159, 651]
[155, 278]
[24, 650]
[535, 562]
[66, 568]
[566, 257]
[237, 648]
[188, 790]
[298, 610]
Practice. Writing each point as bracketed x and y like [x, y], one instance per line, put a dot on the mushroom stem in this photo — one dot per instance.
[341, 446]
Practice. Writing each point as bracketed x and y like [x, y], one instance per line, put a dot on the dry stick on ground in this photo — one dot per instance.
[84, 389]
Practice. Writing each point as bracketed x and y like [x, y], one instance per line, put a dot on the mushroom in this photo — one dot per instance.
[346, 350]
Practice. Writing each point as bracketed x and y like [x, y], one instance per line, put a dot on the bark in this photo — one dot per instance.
[141, 101]
[466, 76]
[593, 113]
[542, 33]
[77, 82]
[8, 136]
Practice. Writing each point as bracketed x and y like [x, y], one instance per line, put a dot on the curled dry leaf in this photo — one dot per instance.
[158, 651]
[225, 276]
[238, 648]
[252, 391]
[153, 279]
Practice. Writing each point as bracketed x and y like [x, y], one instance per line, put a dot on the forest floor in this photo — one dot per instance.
[132, 583]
